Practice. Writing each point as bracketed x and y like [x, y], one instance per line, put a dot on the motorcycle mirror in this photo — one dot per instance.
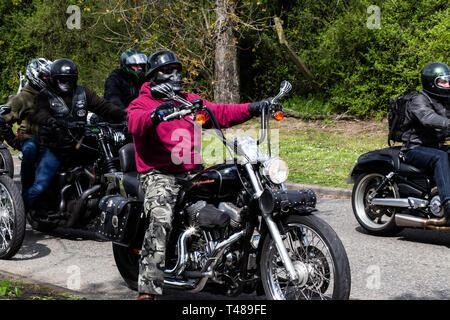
[5, 109]
[285, 87]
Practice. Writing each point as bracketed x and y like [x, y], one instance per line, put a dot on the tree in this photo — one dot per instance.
[226, 72]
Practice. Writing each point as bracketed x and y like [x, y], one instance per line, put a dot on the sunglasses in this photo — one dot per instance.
[168, 70]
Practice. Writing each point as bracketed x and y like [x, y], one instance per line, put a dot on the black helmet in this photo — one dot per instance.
[37, 70]
[435, 78]
[160, 59]
[133, 57]
[157, 62]
[64, 75]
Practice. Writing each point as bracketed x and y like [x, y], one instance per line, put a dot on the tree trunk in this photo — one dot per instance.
[226, 72]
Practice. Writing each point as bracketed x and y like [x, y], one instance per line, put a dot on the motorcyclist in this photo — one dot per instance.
[62, 102]
[159, 163]
[123, 84]
[22, 111]
[428, 124]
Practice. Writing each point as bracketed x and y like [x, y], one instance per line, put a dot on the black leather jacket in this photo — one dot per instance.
[427, 122]
[121, 88]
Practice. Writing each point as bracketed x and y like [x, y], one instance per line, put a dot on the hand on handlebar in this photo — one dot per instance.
[255, 108]
[162, 111]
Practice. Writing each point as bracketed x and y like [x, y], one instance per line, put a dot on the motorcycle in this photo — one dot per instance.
[71, 200]
[389, 194]
[236, 229]
[12, 212]
[6, 160]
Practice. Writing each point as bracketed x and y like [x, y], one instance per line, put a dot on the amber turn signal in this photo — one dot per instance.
[200, 119]
[279, 115]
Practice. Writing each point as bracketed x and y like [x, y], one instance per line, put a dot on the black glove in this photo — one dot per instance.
[255, 107]
[162, 111]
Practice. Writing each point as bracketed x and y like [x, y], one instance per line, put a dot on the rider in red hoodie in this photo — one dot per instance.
[166, 152]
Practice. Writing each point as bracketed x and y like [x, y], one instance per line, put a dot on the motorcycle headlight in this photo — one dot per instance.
[276, 170]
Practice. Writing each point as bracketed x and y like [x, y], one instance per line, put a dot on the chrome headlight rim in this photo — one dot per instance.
[271, 170]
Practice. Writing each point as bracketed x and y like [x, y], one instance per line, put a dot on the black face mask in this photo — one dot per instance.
[173, 78]
[64, 86]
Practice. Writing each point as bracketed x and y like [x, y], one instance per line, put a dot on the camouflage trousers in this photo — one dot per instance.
[161, 191]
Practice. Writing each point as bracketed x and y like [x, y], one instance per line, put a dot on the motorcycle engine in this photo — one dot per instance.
[230, 209]
[436, 207]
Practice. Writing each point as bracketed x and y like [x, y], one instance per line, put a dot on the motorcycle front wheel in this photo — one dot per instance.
[318, 256]
[6, 162]
[377, 220]
[12, 218]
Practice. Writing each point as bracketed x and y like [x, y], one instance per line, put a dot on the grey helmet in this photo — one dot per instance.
[36, 69]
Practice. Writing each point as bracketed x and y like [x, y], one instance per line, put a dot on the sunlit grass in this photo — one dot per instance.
[316, 155]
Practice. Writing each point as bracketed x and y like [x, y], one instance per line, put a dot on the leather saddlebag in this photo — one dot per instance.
[119, 218]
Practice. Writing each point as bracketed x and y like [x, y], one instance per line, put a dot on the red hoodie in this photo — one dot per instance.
[172, 146]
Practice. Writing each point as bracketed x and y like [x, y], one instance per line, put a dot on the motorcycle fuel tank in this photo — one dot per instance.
[221, 182]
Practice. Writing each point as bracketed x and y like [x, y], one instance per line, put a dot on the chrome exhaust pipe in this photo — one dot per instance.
[214, 258]
[412, 203]
[206, 272]
[406, 220]
[182, 253]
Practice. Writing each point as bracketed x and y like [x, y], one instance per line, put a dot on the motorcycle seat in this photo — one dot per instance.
[400, 165]
[407, 169]
[132, 185]
[398, 162]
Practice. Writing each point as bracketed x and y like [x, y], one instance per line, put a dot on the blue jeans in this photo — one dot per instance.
[45, 171]
[436, 161]
[30, 152]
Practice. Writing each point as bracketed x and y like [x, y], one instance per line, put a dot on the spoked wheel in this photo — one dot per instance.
[12, 218]
[319, 259]
[6, 162]
[377, 220]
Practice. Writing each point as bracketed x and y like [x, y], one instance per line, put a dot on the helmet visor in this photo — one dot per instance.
[443, 82]
[138, 58]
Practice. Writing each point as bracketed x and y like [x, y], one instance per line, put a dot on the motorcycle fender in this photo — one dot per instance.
[370, 164]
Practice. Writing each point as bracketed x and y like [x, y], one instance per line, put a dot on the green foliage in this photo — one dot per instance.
[8, 289]
[357, 69]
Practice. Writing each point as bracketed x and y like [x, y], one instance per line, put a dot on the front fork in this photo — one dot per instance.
[271, 225]
[282, 251]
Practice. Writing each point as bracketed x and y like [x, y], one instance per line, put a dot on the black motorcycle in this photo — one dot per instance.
[12, 212]
[6, 160]
[71, 200]
[236, 227]
[389, 194]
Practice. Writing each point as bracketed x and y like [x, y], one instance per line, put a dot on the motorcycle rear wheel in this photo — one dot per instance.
[12, 218]
[377, 220]
[313, 246]
[127, 262]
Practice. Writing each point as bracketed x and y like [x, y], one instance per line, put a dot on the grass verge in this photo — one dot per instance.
[317, 152]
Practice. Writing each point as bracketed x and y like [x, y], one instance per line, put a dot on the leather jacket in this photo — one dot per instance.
[427, 122]
[121, 88]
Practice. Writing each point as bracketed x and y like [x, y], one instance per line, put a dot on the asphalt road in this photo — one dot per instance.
[413, 265]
